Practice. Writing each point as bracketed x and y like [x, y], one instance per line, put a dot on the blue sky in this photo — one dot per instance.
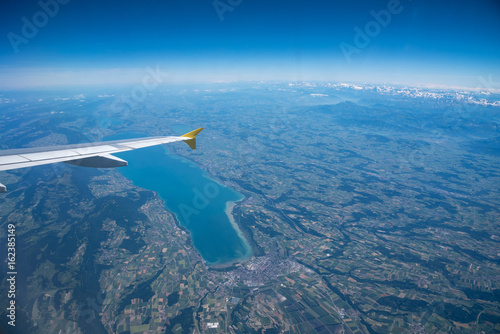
[436, 42]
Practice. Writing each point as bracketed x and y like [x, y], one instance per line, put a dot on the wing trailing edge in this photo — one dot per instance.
[100, 161]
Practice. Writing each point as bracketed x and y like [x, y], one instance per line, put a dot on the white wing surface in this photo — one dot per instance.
[97, 155]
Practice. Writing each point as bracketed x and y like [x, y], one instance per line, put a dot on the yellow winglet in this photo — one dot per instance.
[192, 138]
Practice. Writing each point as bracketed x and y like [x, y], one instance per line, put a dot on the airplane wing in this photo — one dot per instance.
[97, 155]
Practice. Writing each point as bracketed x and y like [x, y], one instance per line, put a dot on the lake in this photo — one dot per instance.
[200, 204]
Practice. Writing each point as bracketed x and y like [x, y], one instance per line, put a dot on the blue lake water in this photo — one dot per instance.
[198, 202]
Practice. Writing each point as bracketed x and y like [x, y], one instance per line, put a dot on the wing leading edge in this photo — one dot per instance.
[96, 155]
